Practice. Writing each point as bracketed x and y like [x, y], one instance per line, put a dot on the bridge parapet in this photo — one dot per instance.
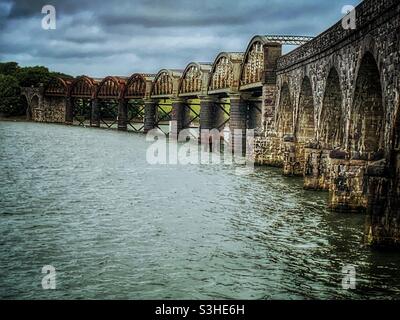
[369, 14]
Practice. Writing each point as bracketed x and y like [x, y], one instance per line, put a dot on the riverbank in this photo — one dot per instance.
[14, 118]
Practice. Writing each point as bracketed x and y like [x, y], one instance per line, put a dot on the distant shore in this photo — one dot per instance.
[14, 119]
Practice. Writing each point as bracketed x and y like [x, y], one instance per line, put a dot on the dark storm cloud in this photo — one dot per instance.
[30, 8]
[156, 22]
[119, 37]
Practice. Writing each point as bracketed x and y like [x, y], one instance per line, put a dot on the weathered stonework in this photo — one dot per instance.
[317, 171]
[43, 108]
[267, 151]
[383, 220]
[54, 109]
[347, 191]
[337, 98]
[362, 66]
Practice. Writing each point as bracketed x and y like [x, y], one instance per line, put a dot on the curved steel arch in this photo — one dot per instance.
[137, 86]
[166, 83]
[284, 39]
[57, 87]
[222, 76]
[194, 78]
[254, 60]
[82, 87]
[110, 88]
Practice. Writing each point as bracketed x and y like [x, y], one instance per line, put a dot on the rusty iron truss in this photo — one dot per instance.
[136, 115]
[288, 40]
[81, 108]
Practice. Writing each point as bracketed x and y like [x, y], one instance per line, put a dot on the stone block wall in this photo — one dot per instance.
[54, 109]
[267, 151]
[45, 108]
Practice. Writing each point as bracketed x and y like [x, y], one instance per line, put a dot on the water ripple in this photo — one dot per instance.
[114, 227]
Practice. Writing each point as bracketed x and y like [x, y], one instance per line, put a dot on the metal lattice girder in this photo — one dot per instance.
[222, 106]
[81, 110]
[192, 118]
[108, 112]
[290, 40]
[135, 113]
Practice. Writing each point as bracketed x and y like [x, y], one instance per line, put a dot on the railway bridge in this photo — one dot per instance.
[327, 111]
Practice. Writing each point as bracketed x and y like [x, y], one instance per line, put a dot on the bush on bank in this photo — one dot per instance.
[10, 101]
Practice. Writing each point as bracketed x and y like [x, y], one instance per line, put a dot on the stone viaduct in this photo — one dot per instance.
[327, 111]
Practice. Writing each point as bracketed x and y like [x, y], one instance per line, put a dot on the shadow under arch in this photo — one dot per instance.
[330, 135]
[332, 126]
[367, 116]
[295, 157]
[305, 126]
[285, 112]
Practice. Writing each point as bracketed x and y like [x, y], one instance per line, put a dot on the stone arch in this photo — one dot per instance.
[331, 124]
[34, 102]
[285, 112]
[305, 127]
[367, 116]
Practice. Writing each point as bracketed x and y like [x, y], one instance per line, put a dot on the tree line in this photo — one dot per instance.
[12, 78]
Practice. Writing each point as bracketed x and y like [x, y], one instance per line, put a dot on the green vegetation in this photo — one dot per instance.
[12, 78]
[10, 100]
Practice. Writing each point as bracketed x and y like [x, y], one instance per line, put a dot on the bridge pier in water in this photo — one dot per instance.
[69, 112]
[383, 213]
[122, 114]
[150, 110]
[207, 113]
[95, 113]
[238, 123]
[180, 116]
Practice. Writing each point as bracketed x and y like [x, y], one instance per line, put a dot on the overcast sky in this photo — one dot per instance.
[120, 37]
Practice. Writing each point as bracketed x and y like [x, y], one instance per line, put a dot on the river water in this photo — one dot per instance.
[86, 202]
